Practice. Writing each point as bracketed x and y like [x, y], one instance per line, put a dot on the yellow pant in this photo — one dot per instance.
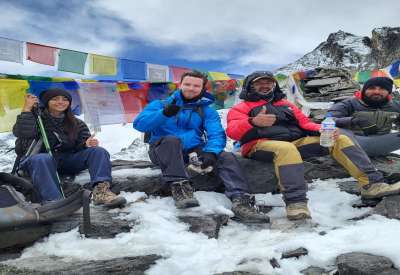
[288, 162]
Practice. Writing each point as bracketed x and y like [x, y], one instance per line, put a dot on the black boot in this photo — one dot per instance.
[182, 192]
[246, 211]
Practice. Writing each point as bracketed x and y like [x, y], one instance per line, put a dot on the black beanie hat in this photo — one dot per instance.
[48, 94]
[383, 82]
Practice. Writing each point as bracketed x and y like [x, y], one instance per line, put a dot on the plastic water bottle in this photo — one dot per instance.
[195, 165]
[328, 127]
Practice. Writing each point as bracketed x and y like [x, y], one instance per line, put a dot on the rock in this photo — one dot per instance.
[237, 273]
[301, 251]
[208, 225]
[350, 187]
[54, 265]
[143, 176]
[346, 50]
[314, 270]
[389, 207]
[322, 82]
[358, 263]
[104, 224]
[274, 263]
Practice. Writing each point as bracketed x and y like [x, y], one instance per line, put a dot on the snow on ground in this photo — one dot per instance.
[157, 230]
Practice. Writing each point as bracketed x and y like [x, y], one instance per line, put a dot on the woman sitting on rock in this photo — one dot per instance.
[73, 148]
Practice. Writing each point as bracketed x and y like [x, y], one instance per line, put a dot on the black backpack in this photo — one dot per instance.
[198, 109]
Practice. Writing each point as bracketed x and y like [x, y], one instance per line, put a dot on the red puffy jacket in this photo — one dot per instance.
[239, 125]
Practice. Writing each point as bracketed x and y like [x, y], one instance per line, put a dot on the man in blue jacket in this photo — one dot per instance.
[185, 123]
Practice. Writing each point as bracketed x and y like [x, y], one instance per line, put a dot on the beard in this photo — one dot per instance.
[375, 101]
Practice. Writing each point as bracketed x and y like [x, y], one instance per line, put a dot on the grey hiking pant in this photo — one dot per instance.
[168, 154]
[375, 145]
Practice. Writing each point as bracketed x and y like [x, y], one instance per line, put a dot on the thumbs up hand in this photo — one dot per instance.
[171, 109]
[92, 141]
[262, 119]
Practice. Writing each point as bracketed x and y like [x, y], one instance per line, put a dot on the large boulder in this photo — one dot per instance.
[143, 176]
[357, 263]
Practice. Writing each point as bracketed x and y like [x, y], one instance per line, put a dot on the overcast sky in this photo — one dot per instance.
[234, 36]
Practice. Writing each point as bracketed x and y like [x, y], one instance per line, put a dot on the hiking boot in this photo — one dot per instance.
[103, 195]
[379, 190]
[246, 211]
[297, 211]
[182, 192]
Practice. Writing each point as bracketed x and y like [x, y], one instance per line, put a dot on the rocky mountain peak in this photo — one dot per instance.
[346, 50]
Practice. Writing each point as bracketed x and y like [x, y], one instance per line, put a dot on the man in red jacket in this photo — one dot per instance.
[270, 128]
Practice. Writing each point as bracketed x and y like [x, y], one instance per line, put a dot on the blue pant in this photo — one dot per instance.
[42, 169]
[375, 145]
[168, 154]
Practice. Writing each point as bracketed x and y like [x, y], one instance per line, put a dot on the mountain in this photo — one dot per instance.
[347, 50]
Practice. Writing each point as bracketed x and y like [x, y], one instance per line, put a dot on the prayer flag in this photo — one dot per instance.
[11, 50]
[103, 65]
[41, 54]
[72, 61]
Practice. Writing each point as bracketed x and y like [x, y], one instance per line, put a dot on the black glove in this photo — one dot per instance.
[366, 126]
[171, 109]
[208, 159]
[361, 122]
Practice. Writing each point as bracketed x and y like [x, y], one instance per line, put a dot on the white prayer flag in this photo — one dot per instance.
[11, 50]
[157, 73]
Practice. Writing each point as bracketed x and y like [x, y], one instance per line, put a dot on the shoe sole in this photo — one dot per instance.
[118, 203]
[301, 216]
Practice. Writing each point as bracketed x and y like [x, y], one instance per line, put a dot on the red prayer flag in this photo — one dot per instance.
[41, 54]
[177, 72]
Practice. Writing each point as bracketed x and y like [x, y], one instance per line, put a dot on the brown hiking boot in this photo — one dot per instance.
[245, 210]
[182, 192]
[297, 211]
[379, 190]
[103, 195]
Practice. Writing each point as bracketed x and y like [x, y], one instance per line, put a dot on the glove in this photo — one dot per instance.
[171, 109]
[208, 159]
[366, 126]
[361, 122]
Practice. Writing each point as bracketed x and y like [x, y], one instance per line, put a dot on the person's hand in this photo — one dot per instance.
[361, 122]
[208, 159]
[171, 109]
[262, 119]
[336, 134]
[31, 101]
[92, 141]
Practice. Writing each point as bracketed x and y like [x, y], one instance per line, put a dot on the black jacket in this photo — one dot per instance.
[26, 130]
[346, 110]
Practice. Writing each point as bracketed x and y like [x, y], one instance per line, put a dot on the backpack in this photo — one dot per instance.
[198, 109]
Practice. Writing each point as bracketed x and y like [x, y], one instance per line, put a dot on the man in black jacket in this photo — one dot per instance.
[368, 117]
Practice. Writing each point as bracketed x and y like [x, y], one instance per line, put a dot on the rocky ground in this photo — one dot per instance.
[262, 180]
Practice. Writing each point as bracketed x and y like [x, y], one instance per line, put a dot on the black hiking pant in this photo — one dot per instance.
[168, 154]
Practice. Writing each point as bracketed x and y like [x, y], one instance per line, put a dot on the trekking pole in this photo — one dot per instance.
[47, 145]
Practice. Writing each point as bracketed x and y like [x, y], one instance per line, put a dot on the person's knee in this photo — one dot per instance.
[285, 148]
[171, 140]
[98, 150]
[344, 141]
[41, 158]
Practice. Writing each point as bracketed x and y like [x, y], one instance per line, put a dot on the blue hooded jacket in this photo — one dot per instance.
[187, 125]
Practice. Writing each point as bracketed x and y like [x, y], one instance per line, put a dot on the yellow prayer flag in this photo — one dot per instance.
[12, 93]
[102, 65]
[397, 82]
[122, 87]
[62, 79]
[218, 76]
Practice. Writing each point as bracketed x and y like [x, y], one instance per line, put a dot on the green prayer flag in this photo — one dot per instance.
[72, 61]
